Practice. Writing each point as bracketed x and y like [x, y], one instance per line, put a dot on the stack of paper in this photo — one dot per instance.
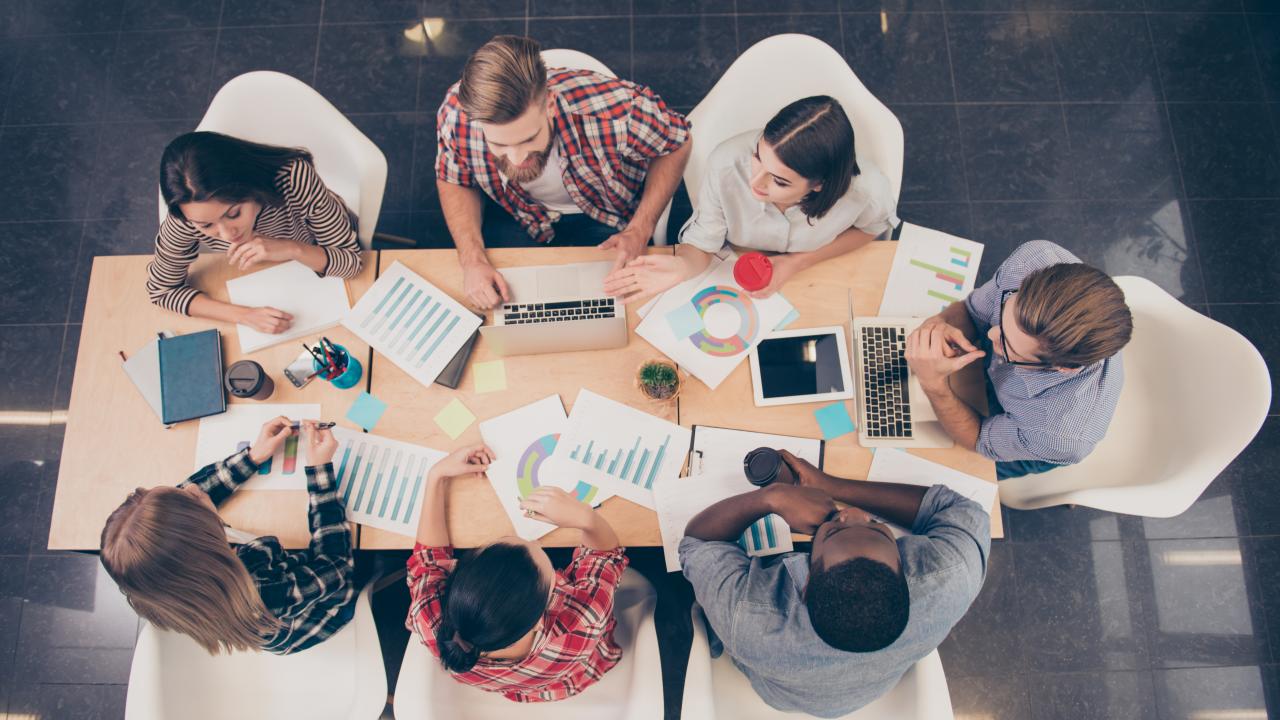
[900, 466]
[931, 270]
[315, 303]
[381, 481]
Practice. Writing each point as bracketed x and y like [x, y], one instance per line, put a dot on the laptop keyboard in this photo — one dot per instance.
[887, 408]
[527, 313]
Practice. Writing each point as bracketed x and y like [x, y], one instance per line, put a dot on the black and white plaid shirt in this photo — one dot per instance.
[311, 591]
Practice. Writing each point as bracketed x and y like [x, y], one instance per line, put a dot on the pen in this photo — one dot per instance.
[319, 426]
[122, 357]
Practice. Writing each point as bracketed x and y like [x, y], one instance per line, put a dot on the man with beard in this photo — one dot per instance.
[566, 157]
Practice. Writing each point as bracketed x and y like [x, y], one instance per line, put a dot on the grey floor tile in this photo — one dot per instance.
[61, 79]
[900, 57]
[68, 702]
[289, 50]
[934, 163]
[606, 39]
[37, 249]
[368, 68]
[1205, 56]
[1094, 696]
[1258, 324]
[985, 641]
[161, 75]
[708, 42]
[1236, 241]
[1002, 57]
[1002, 697]
[1016, 152]
[1187, 694]
[1105, 56]
[1122, 152]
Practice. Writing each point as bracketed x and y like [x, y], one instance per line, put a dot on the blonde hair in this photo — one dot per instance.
[169, 554]
[502, 79]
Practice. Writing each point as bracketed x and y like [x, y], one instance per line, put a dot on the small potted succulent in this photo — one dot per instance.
[659, 380]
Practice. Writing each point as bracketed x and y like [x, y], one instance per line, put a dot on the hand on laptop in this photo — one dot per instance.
[484, 285]
[645, 275]
[931, 357]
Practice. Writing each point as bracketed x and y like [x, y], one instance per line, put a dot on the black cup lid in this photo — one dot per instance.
[762, 464]
[244, 378]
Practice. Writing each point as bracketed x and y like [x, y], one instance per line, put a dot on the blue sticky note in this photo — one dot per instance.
[834, 420]
[790, 318]
[366, 411]
[684, 320]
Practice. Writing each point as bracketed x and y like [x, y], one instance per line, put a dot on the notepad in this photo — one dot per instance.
[316, 303]
[191, 376]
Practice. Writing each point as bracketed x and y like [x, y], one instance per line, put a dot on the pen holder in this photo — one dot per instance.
[350, 376]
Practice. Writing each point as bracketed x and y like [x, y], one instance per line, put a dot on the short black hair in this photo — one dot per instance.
[859, 605]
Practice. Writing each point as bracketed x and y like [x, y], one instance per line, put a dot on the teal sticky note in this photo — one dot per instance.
[684, 320]
[834, 420]
[366, 411]
[790, 318]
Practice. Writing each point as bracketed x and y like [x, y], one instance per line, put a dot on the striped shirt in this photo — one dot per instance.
[311, 214]
[1047, 415]
[572, 652]
[607, 130]
[311, 592]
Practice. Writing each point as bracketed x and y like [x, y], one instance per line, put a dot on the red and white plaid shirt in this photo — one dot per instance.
[608, 130]
[575, 648]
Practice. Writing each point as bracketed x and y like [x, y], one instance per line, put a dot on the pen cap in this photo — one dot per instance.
[753, 271]
[247, 379]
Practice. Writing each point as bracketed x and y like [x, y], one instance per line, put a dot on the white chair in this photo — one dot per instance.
[776, 72]
[342, 678]
[632, 690]
[275, 109]
[576, 60]
[1195, 393]
[717, 690]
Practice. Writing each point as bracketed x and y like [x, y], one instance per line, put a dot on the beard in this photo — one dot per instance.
[529, 171]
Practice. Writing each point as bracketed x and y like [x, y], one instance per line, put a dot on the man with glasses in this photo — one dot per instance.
[1052, 330]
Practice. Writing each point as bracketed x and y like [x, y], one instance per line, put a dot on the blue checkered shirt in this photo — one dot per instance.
[1047, 415]
[311, 592]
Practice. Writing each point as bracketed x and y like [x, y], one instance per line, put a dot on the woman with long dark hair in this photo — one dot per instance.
[258, 203]
[794, 188]
[504, 619]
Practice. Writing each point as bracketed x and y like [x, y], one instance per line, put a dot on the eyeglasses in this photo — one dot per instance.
[1004, 344]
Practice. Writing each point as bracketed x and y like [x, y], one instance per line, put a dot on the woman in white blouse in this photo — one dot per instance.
[795, 189]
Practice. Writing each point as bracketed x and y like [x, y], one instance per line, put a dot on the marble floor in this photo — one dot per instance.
[1144, 135]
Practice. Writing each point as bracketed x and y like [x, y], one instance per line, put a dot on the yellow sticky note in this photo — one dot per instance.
[454, 419]
[490, 376]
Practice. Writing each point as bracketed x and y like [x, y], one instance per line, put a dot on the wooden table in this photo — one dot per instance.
[114, 442]
[475, 516]
[821, 295]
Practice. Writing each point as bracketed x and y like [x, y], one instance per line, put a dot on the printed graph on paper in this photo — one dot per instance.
[381, 481]
[412, 322]
[931, 270]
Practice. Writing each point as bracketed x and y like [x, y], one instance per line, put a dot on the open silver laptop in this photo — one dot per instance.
[557, 308]
[893, 410]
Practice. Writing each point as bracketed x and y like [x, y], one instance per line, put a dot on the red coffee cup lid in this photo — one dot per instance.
[753, 271]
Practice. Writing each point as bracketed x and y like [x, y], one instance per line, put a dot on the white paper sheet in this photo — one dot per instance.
[522, 441]
[623, 450]
[900, 466]
[931, 270]
[412, 322]
[708, 324]
[382, 482]
[315, 303]
[220, 436]
[715, 473]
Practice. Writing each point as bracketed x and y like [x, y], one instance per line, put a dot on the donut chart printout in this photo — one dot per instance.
[708, 324]
[522, 441]
[381, 481]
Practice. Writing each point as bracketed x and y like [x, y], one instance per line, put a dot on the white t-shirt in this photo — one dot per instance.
[548, 188]
[727, 211]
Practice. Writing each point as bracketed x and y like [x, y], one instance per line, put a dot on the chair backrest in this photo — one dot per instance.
[631, 690]
[574, 60]
[717, 690]
[341, 678]
[276, 109]
[775, 72]
[1195, 394]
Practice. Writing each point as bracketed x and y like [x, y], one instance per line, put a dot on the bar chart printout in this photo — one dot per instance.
[381, 482]
[414, 323]
[619, 448]
[931, 270]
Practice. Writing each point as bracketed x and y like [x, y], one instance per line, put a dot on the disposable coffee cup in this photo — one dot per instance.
[764, 466]
[753, 271]
[247, 379]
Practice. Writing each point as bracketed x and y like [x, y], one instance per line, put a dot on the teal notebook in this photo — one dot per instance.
[191, 376]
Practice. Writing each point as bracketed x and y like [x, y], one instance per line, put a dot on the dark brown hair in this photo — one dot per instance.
[502, 79]
[1075, 312]
[814, 137]
[200, 166]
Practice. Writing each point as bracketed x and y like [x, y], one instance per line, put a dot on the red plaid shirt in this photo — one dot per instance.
[575, 648]
[608, 131]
